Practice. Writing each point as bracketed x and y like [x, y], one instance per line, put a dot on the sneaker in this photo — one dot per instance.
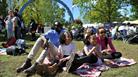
[31, 70]
[64, 68]
[69, 63]
[25, 65]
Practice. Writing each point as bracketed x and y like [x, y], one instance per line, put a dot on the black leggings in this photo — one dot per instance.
[79, 60]
[113, 55]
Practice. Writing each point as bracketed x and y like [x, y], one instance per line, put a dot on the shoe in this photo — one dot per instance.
[25, 65]
[69, 63]
[32, 70]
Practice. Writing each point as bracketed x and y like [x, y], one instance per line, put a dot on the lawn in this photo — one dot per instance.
[8, 64]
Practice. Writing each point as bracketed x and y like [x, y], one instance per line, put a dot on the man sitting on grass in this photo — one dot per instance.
[49, 42]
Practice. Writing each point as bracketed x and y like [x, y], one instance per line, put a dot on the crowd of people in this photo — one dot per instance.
[122, 31]
[14, 32]
[58, 49]
[13, 27]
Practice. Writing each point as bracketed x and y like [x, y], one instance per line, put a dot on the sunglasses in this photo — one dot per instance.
[102, 32]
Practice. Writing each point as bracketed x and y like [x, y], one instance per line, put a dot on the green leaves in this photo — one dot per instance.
[43, 11]
[101, 10]
[3, 7]
[134, 9]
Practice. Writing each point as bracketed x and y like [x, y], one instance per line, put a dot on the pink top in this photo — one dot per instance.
[103, 46]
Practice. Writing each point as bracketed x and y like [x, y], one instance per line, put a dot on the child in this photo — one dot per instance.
[91, 47]
[68, 57]
[66, 48]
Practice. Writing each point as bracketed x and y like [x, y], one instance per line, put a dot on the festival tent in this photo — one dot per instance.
[131, 22]
[134, 22]
[127, 22]
[90, 25]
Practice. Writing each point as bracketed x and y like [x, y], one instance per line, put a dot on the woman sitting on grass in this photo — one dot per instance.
[107, 49]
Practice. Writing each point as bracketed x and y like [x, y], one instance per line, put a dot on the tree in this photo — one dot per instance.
[101, 10]
[3, 7]
[134, 9]
[43, 11]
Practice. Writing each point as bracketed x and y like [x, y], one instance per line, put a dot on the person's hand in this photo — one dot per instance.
[93, 49]
[62, 60]
[59, 56]
[106, 51]
[45, 42]
[44, 45]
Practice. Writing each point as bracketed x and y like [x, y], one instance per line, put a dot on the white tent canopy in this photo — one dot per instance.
[134, 22]
[131, 22]
[127, 22]
[90, 25]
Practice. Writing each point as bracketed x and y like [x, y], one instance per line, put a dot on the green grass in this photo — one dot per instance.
[8, 64]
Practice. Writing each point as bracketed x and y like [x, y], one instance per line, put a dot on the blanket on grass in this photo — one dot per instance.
[88, 70]
[3, 51]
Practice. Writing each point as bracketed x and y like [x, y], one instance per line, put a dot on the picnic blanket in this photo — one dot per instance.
[122, 62]
[89, 70]
[3, 51]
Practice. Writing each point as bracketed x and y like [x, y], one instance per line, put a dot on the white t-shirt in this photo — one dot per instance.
[121, 28]
[67, 49]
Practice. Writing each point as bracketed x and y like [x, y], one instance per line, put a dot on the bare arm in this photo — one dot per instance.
[14, 24]
[89, 52]
[112, 48]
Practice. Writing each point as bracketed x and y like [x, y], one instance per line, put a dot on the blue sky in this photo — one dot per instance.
[74, 10]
